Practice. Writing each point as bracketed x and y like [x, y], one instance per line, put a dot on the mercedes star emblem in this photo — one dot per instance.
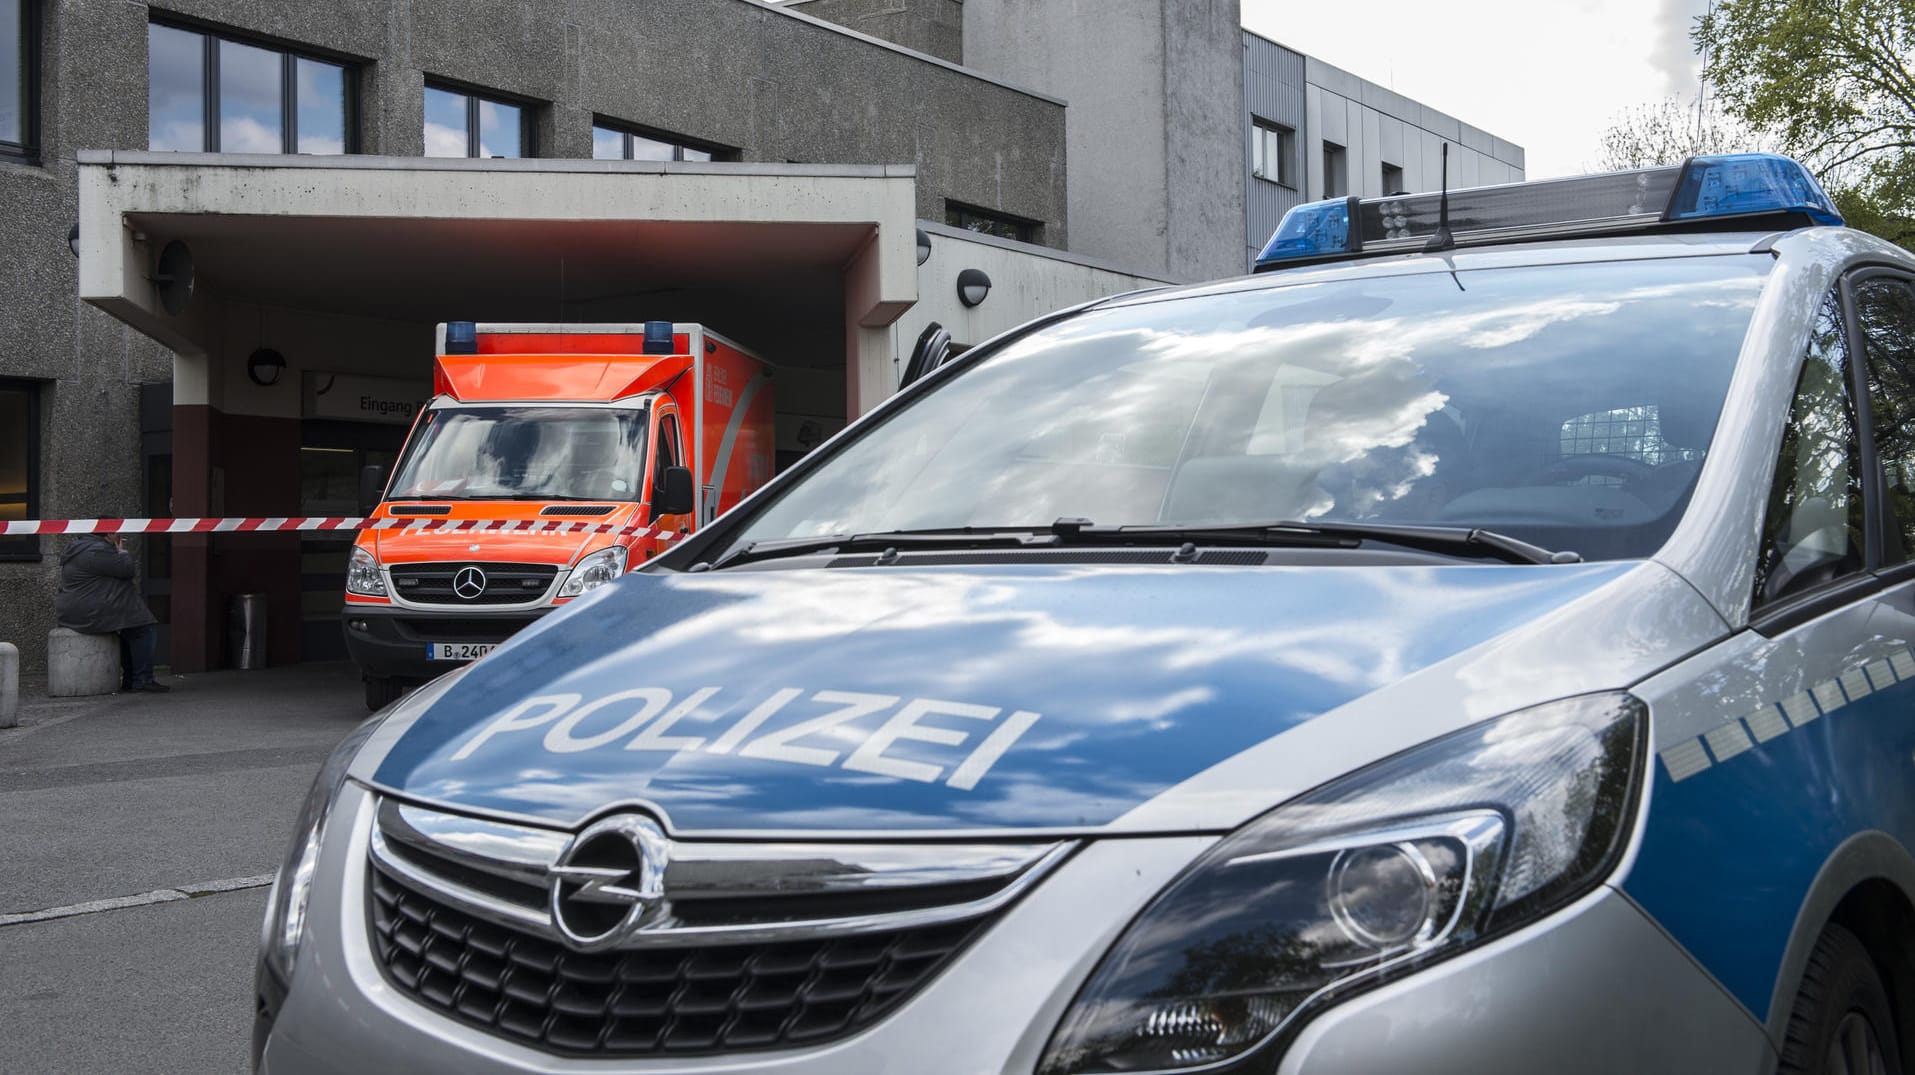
[609, 881]
[469, 582]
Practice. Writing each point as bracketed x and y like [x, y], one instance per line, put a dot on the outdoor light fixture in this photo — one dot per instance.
[73, 241]
[973, 285]
[924, 246]
[264, 366]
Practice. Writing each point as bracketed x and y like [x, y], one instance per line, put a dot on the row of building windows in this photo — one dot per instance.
[210, 92]
[1273, 157]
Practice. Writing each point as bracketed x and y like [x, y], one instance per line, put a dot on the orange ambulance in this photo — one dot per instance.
[647, 429]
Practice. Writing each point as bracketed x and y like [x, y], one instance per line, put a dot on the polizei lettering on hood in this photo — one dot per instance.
[829, 736]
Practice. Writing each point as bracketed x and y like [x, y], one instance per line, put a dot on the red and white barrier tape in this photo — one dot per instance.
[314, 523]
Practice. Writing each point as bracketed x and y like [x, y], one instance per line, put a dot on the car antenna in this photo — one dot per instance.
[1443, 240]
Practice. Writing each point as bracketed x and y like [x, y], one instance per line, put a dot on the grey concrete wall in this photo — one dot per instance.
[89, 368]
[1203, 109]
[933, 27]
[1155, 91]
[1114, 127]
[778, 86]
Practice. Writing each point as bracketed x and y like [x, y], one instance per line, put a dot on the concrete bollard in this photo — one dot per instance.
[9, 684]
[80, 664]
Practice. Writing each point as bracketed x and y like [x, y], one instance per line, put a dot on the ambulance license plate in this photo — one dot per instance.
[458, 651]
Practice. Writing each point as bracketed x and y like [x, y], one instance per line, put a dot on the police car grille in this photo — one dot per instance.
[718, 998]
[505, 584]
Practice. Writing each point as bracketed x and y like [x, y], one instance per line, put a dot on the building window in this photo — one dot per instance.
[19, 79]
[208, 93]
[19, 464]
[1336, 177]
[1273, 152]
[615, 142]
[462, 123]
[1393, 179]
[1002, 225]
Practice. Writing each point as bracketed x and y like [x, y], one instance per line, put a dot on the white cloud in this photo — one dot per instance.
[444, 141]
[244, 134]
[1546, 77]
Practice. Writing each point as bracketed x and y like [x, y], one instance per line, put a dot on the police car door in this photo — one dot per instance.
[1782, 761]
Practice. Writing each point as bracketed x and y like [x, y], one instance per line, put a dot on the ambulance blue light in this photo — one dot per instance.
[1309, 231]
[462, 338]
[1741, 183]
[658, 338]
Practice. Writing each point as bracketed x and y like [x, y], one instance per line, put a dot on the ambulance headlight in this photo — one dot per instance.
[1412, 860]
[362, 573]
[594, 571]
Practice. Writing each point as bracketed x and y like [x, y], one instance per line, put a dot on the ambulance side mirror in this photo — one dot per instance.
[372, 484]
[674, 493]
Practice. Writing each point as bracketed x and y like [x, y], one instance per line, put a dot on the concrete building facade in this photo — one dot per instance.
[1315, 131]
[767, 169]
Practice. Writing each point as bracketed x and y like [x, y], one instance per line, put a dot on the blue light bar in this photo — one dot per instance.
[1311, 230]
[462, 338]
[658, 338]
[1741, 183]
[1703, 189]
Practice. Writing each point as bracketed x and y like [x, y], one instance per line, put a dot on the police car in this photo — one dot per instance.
[1480, 643]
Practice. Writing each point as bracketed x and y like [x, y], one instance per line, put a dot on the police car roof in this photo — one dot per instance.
[1834, 241]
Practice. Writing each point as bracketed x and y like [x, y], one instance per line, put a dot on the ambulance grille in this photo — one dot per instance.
[504, 584]
[419, 509]
[578, 509]
[712, 999]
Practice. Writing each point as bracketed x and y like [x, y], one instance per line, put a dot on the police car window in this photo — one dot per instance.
[1885, 313]
[1434, 398]
[1812, 532]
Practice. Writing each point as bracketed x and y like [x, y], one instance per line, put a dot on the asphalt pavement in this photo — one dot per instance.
[138, 833]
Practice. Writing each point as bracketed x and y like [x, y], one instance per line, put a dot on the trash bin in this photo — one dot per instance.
[246, 630]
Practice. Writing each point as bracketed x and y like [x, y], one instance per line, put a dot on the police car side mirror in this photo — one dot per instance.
[372, 485]
[674, 493]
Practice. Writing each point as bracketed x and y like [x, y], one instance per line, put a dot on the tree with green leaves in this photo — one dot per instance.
[1831, 80]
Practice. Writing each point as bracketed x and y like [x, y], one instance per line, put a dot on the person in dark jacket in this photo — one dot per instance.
[97, 597]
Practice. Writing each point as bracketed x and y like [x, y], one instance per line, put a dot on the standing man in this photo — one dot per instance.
[97, 597]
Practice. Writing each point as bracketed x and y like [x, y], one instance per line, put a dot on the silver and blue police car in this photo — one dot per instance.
[1480, 644]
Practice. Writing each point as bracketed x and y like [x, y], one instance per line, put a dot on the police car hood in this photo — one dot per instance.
[967, 699]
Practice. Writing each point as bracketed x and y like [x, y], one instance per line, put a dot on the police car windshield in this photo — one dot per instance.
[1567, 405]
[524, 453]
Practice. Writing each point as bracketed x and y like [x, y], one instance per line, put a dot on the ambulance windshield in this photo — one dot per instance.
[524, 453]
[1567, 405]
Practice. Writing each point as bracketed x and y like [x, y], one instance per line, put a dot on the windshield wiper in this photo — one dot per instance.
[965, 537]
[1449, 540]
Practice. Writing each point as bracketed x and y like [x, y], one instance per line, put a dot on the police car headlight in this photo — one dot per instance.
[594, 571]
[1411, 860]
[286, 902]
[362, 574]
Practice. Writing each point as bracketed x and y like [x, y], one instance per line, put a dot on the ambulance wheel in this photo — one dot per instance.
[1841, 1023]
[382, 692]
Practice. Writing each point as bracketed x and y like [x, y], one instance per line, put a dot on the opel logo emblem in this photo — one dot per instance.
[609, 881]
[469, 582]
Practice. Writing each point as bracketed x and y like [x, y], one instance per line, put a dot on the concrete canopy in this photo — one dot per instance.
[806, 262]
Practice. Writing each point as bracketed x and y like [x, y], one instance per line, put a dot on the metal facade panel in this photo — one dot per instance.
[1273, 89]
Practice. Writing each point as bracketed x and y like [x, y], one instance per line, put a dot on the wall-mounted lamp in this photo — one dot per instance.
[73, 239]
[972, 286]
[264, 366]
[924, 246]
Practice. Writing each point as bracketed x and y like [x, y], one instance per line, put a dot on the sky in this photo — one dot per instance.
[1548, 75]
